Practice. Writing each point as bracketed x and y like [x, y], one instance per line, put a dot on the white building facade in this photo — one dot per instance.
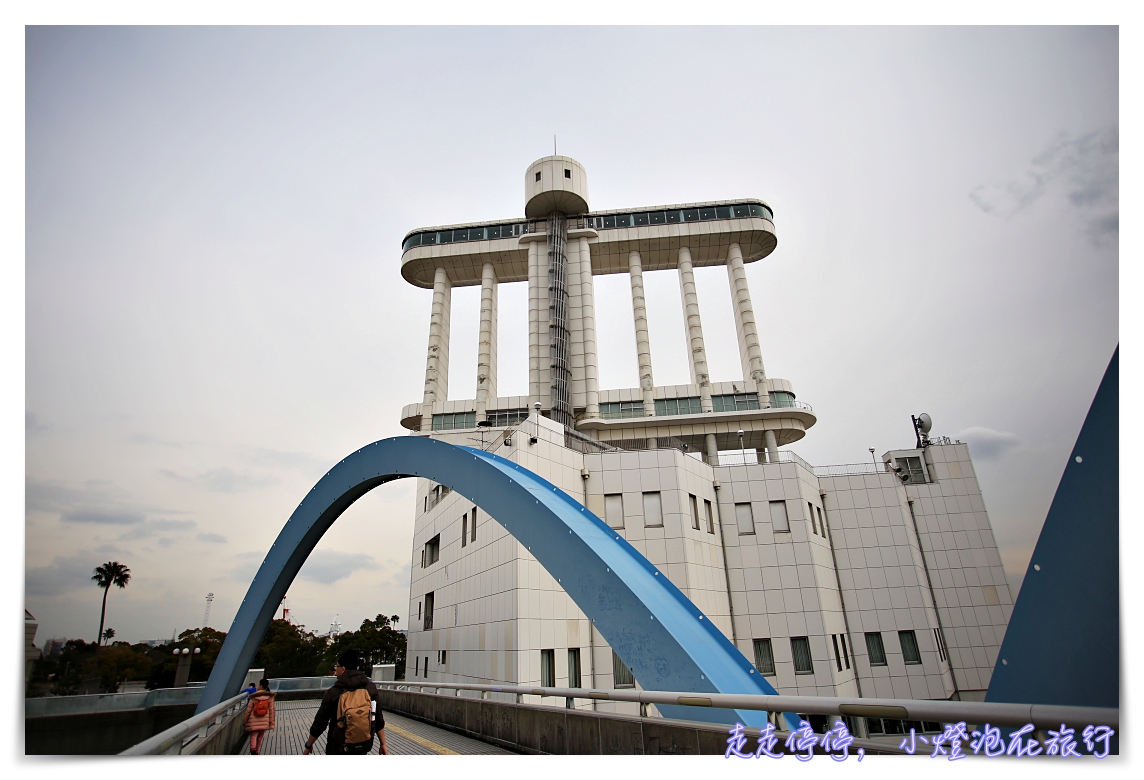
[861, 580]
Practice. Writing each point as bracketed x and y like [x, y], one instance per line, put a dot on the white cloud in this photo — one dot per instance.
[329, 566]
[988, 444]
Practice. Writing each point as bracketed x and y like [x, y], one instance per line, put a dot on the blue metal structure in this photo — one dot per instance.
[668, 643]
[1062, 645]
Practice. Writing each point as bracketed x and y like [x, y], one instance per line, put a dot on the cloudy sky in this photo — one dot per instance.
[215, 315]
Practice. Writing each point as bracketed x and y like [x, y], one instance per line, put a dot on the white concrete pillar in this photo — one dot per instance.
[772, 446]
[712, 450]
[696, 353]
[588, 321]
[643, 343]
[749, 350]
[437, 362]
[487, 343]
[538, 358]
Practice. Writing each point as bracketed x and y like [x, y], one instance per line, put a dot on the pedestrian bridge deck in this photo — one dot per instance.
[403, 736]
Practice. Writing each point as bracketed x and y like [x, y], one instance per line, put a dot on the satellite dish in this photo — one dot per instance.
[924, 423]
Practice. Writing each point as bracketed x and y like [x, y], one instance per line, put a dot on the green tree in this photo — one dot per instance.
[108, 635]
[376, 640]
[121, 662]
[106, 575]
[291, 651]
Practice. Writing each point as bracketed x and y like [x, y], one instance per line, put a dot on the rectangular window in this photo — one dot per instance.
[723, 212]
[494, 231]
[428, 611]
[940, 647]
[538, 175]
[464, 529]
[422, 557]
[433, 550]
[610, 221]
[912, 470]
[416, 666]
[779, 520]
[910, 652]
[426, 674]
[764, 658]
[707, 213]
[810, 511]
[745, 519]
[674, 216]
[710, 516]
[418, 610]
[821, 521]
[574, 667]
[614, 510]
[742, 210]
[875, 648]
[800, 651]
[652, 510]
[567, 174]
[441, 657]
[666, 407]
[547, 668]
[845, 653]
[473, 526]
[837, 655]
[740, 402]
[694, 512]
[658, 217]
[621, 410]
[641, 219]
[621, 675]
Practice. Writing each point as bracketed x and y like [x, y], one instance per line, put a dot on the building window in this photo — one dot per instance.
[694, 512]
[910, 653]
[779, 520]
[547, 668]
[574, 667]
[464, 529]
[821, 521]
[538, 175]
[428, 612]
[710, 516]
[764, 657]
[622, 410]
[614, 510]
[473, 526]
[889, 726]
[781, 400]
[432, 550]
[652, 510]
[800, 651]
[416, 666]
[426, 667]
[506, 418]
[739, 402]
[937, 640]
[441, 656]
[621, 675]
[912, 470]
[875, 648]
[418, 610]
[457, 421]
[845, 654]
[810, 510]
[567, 174]
[665, 407]
[837, 654]
[745, 519]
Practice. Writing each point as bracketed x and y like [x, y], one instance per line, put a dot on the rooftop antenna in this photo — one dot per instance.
[554, 144]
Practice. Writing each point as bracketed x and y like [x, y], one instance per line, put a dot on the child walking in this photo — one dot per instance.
[259, 716]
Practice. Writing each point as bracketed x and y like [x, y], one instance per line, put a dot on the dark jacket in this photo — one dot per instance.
[327, 717]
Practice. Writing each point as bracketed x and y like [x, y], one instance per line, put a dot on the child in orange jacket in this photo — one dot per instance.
[259, 716]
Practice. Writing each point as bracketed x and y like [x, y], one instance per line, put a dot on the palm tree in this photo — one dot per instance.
[106, 575]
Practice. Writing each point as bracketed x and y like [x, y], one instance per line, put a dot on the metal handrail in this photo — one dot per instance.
[974, 712]
[172, 740]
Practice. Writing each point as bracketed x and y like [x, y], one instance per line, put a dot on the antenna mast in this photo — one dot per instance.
[207, 613]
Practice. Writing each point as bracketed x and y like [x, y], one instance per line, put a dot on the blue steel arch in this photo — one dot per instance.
[667, 642]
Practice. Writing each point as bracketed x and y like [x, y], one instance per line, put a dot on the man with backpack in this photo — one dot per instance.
[349, 713]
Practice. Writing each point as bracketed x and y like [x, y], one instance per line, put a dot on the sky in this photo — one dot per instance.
[214, 313]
